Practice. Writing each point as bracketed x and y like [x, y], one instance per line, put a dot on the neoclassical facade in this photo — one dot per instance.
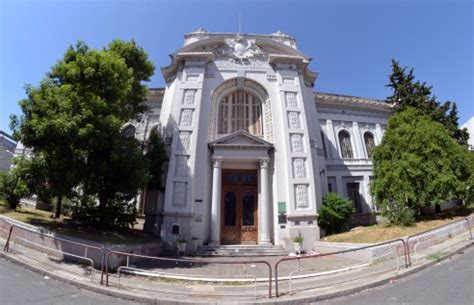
[252, 149]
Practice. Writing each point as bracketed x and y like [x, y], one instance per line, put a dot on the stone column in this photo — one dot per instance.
[359, 154]
[332, 151]
[378, 134]
[265, 204]
[216, 202]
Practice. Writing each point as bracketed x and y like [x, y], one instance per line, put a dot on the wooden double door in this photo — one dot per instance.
[239, 213]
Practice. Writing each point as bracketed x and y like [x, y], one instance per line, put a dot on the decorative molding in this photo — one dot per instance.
[345, 102]
[186, 117]
[264, 162]
[294, 120]
[179, 193]
[301, 196]
[184, 140]
[216, 162]
[296, 140]
[291, 99]
[189, 97]
[299, 168]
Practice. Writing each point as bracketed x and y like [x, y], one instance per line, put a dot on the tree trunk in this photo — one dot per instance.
[103, 200]
[59, 201]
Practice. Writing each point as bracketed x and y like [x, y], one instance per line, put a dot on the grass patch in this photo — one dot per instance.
[383, 232]
[45, 220]
[435, 256]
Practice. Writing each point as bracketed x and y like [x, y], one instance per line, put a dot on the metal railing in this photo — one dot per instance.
[299, 258]
[437, 229]
[87, 247]
[188, 261]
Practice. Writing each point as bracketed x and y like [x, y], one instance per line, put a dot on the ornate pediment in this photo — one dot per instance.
[241, 139]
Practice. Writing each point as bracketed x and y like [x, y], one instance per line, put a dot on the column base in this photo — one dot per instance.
[265, 242]
[214, 243]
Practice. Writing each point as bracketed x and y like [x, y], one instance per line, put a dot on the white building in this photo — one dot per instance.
[252, 148]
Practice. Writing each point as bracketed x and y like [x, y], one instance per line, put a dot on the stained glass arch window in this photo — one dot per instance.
[240, 110]
[345, 144]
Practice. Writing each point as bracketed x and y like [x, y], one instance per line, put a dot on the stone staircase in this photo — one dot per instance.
[241, 250]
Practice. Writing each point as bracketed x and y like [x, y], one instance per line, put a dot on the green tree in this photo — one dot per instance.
[417, 165]
[73, 121]
[335, 213]
[408, 92]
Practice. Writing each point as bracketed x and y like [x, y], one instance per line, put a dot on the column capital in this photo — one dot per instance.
[216, 162]
[264, 162]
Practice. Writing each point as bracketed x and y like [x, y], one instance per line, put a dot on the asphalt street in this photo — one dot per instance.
[20, 286]
[450, 282]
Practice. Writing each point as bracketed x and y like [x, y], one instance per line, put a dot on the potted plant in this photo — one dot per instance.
[298, 242]
[181, 245]
[196, 242]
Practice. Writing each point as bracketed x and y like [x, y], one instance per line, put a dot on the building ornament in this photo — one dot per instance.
[238, 49]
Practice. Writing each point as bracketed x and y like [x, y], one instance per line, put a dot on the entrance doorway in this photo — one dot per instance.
[239, 216]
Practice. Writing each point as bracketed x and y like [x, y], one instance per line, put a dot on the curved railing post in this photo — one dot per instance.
[469, 227]
[7, 244]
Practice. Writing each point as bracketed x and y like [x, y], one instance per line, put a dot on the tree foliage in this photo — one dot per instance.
[335, 213]
[417, 165]
[73, 122]
[408, 92]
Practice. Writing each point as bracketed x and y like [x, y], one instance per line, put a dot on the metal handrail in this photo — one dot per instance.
[86, 246]
[85, 258]
[200, 261]
[337, 252]
[407, 244]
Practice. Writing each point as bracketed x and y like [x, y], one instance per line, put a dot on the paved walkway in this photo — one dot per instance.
[330, 276]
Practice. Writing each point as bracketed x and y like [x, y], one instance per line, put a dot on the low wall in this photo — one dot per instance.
[382, 252]
[48, 242]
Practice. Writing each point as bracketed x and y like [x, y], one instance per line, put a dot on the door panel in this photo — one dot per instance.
[230, 230]
[239, 214]
[248, 216]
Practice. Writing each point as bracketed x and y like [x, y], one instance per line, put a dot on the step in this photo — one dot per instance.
[241, 250]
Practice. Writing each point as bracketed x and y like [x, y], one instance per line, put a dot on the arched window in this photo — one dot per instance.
[240, 110]
[346, 146]
[369, 143]
[129, 131]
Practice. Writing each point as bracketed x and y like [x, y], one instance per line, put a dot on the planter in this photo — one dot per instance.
[195, 243]
[181, 247]
[298, 247]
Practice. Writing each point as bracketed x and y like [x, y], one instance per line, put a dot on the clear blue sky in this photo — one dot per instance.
[351, 42]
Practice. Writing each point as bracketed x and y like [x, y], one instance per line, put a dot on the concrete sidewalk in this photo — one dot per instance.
[336, 278]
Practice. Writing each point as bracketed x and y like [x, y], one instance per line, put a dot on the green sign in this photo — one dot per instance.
[281, 207]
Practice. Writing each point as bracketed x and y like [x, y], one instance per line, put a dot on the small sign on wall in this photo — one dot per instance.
[281, 212]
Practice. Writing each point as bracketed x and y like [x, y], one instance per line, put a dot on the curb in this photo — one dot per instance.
[148, 300]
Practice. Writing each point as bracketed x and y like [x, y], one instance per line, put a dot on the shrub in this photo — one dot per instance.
[12, 188]
[119, 213]
[335, 213]
[398, 214]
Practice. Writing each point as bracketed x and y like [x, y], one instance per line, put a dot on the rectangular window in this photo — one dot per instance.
[354, 194]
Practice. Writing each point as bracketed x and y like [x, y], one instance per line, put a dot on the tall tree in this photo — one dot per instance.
[408, 92]
[74, 119]
[417, 165]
